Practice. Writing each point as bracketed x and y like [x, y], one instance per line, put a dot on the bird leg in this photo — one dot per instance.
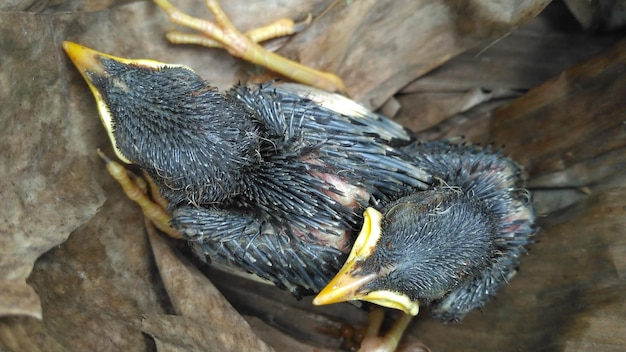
[280, 28]
[389, 342]
[223, 33]
[136, 189]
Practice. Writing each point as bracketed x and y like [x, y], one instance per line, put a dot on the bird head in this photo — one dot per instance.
[169, 121]
[415, 251]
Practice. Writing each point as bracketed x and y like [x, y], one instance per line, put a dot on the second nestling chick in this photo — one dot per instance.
[450, 247]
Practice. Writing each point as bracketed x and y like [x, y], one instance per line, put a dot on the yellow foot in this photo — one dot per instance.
[223, 33]
[280, 28]
[136, 189]
[389, 342]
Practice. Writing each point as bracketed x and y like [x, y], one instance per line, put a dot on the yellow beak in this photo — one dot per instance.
[348, 284]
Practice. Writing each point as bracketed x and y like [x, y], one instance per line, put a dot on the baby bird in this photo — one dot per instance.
[450, 247]
[271, 181]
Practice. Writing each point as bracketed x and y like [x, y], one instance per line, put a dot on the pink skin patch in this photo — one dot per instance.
[345, 194]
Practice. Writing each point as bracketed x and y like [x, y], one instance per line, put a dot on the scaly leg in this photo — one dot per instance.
[224, 33]
[136, 189]
[280, 28]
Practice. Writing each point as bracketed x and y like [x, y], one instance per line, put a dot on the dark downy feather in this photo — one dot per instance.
[453, 246]
[317, 171]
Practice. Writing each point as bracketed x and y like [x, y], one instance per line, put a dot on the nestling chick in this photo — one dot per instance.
[450, 247]
[270, 181]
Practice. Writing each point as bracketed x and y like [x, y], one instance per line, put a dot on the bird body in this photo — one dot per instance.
[270, 180]
[300, 203]
[450, 247]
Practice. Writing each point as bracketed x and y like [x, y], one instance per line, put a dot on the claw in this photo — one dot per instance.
[223, 33]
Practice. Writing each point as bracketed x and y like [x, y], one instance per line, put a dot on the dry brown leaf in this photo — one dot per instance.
[506, 68]
[45, 184]
[602, 15]
[23, 333]
[378, 47]
[96, 286]
[179, 333]
[574, 118]
[204, 318]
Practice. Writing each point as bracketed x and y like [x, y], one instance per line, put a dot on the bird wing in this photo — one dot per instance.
[241, 240]
[373, 124]
[348, 137]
